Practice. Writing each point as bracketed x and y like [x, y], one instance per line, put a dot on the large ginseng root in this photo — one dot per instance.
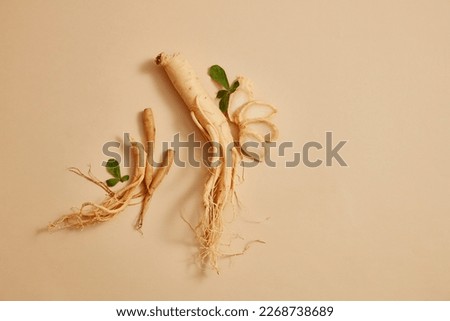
[219, 188]
[142, 185]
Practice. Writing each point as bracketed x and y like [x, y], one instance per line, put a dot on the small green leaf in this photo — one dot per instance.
[114, 171]
[112, 166]
[218, 74]
[223, 104]
[112, 181]
[112, 163]
[221, 93]
[234, 86]
[124, 178]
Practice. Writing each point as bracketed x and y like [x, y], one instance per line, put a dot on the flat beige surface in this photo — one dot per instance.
[76, 74]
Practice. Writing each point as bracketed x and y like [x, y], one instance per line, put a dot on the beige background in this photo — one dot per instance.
[76, 74]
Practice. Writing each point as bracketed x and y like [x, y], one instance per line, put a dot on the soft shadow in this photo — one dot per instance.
[41, 230]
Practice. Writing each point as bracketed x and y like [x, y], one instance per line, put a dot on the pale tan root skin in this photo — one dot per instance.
[142, 178]
[153, 185]
[151, 179]
[220, 186]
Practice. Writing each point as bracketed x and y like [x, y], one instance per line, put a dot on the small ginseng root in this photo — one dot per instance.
[151, 180]
[213, 122]
[142, 185]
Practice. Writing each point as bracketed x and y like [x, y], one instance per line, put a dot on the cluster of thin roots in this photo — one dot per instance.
[143, 183]
[253, 118]
[210, 228]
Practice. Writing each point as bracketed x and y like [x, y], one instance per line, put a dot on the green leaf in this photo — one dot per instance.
[223, 104]
[112, 163]
[221, 93]
[112, 166]
[234, 86]
[124, 178]
[218, 74]
[112, 181]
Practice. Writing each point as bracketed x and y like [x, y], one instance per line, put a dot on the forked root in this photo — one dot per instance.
[154, 183]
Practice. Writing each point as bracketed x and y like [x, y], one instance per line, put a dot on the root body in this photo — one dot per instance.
[219, 188]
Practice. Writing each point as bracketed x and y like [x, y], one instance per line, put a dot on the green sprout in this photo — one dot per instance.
[218, 75]
[112, 166]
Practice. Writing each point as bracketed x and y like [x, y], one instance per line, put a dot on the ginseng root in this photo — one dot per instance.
[142, 185]
[220, 186]
[91, 213]
[151, 181]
